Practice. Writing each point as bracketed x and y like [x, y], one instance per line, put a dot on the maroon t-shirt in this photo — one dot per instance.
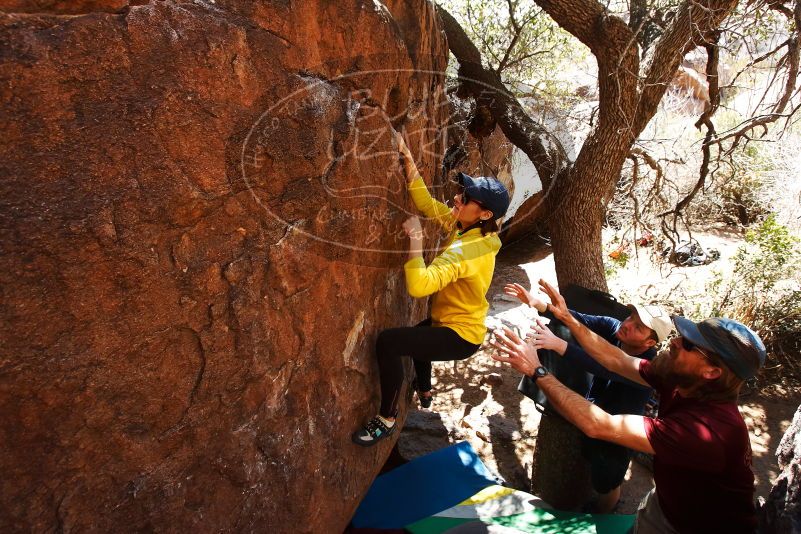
[702, 462]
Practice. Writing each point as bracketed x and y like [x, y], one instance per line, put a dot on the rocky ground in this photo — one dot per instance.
[477, 400]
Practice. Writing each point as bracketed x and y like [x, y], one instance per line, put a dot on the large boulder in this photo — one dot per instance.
[200, 238]
[65, 7]
[781, 512]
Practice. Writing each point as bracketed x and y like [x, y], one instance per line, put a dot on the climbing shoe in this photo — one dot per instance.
[425, 400]
[375, 430]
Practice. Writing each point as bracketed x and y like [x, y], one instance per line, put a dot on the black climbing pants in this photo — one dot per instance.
[425, 344]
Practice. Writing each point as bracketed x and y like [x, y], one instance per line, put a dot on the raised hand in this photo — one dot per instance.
[541, 337]
[514, 351]
[524, 296]
[558, 307]
[519, 292]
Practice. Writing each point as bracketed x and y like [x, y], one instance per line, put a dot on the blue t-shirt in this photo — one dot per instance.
[610, 391]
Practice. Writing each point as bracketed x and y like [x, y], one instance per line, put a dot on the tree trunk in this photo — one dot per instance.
[562, 480]
[578, 204]
[560, 475]
[576, 221]
[577, 195]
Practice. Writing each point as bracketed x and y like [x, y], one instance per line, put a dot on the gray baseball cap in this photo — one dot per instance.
[737, 345]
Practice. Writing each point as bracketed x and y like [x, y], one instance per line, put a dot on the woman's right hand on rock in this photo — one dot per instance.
[413, 228]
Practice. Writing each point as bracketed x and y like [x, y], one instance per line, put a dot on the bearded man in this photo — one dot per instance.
[699, 440]
[637, 335]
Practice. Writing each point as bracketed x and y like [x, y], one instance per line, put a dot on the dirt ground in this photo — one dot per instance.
[477, 400]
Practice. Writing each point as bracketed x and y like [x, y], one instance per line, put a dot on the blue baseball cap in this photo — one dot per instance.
[737, 345]
[488, 192]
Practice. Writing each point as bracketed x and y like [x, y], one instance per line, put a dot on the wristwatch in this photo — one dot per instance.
[539, 372]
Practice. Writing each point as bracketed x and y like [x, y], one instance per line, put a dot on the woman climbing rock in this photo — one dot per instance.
[460, 276]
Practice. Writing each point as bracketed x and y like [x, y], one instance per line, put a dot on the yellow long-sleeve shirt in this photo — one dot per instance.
[460, 276]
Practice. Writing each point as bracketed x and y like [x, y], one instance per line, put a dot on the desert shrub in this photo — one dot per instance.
[743, 184]
[617, 258]
[763, 292]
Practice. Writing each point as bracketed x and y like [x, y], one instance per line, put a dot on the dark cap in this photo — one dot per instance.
[737, 345]
[489, 192]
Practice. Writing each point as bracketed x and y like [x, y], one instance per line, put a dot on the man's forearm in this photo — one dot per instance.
[572, 406]
[625, 430]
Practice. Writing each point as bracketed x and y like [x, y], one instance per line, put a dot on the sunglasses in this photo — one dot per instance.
[689, 346]
[466, 199]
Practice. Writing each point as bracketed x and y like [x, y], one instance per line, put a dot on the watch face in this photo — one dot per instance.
[539, 372]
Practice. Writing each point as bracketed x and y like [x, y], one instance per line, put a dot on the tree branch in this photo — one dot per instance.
[580, 18]
[690, 27]
[543, 149]
[530, 55]
[515, 37]
[792, 59]
[778, 5]
[712, 53]
[650, 161]
[759, 59]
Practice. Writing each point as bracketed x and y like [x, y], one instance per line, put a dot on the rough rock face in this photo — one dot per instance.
[200, 240]
[782, 509]
[65, 7]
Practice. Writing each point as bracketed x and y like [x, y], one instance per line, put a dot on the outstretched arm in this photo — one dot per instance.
[422, 199]
[626, 430]
[541, 337]
[524, 296]
[611, 357]
[410, 171]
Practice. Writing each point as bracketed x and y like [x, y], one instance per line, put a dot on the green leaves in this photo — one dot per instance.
[520, 41]
[769, 256]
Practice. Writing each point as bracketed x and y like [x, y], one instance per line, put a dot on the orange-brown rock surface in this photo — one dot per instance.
[65, 7]
[200, 240]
